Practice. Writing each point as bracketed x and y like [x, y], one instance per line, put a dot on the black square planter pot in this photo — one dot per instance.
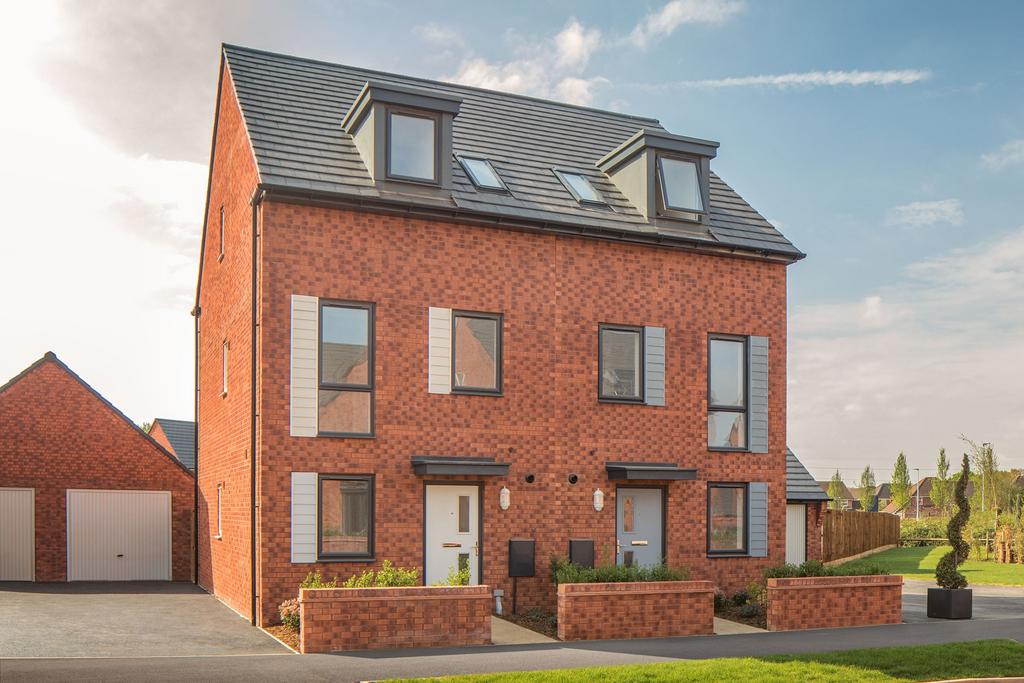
[949, 603]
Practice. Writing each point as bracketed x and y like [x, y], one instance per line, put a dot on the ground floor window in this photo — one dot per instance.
[346, 516]
[727, 519]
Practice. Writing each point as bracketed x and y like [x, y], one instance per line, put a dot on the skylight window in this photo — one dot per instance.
[482, 173]
[680, 184]
[580, 187]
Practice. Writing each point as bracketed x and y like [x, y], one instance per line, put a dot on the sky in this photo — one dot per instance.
[886, 140]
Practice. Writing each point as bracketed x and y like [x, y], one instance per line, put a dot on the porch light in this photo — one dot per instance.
[504, 498]
[598, 500]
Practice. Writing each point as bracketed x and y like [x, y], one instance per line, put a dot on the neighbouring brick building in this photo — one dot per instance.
[433, 318]
[84, 493]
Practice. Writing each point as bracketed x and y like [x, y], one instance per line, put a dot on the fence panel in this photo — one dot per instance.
[850, 532]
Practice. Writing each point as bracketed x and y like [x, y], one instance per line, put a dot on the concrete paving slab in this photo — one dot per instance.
[725, 627]
[504, 632]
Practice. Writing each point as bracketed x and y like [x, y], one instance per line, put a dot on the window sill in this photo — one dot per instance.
[718, 554]
[223, 394]
[630, 401]
[220, 257]
[345, 559]
[219, 537]
[477, 392]
[335, 435]
[719, 449]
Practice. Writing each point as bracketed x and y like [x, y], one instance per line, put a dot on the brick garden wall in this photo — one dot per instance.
[336, 619]
[55, 435]
[657, 609]
[815, 513]
[834, 601]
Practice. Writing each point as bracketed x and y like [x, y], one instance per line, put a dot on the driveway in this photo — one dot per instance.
[132, 619]
[989, 602]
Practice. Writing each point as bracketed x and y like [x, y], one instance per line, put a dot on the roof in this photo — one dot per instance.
[182, 436]
[800, 485]
[293, 109]
[884, 491]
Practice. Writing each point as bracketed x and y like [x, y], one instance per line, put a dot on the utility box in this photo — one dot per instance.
[581, 551]
[521, 560]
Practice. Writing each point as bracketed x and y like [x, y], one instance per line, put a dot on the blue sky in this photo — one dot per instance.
[885, 139]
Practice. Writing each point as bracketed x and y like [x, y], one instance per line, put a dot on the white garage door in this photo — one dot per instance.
[17, 535]
[119, 535]
[796, 534]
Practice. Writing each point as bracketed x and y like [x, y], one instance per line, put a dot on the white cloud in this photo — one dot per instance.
[575, 44]
[913, 365]
[439, 35]
[809, 79]
[919, 214]
[674, 14]
[1010, 154]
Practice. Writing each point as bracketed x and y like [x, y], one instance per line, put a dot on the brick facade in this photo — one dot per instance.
[815, 516]
[56, 433]
[656, 609]
[834, 601]
[336, 619]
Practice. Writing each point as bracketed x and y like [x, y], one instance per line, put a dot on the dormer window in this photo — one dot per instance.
[580, 188]
[482, 174]
[680, 184]
[412, 147]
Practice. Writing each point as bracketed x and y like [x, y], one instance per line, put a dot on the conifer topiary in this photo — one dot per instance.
[945, 572]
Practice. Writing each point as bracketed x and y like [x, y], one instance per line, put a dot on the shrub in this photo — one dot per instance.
[815, 568]
[720, 601]
[313, 580]
[456, 577]
[915, 533]
[563, 571]
[749, 610]
[741, 598]
[289, 611]
[945, 571]
[388, 576]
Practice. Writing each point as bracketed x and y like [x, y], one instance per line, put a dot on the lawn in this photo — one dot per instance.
[986, 658]
[919, 563]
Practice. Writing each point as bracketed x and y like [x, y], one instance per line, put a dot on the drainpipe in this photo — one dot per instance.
[196, 312]
[257, 199]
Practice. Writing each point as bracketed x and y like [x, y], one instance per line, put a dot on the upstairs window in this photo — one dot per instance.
[482, 173]
[727, 393]
[620, 361]
[476, 353]
[680, 184]
[412, 147]
[345, 395]
[580, 188]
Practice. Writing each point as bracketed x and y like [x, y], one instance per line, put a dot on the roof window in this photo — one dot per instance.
[482, 173]
[580, 187]
[680, 184]
[412, 148]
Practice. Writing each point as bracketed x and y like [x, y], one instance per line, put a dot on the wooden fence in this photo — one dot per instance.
[845, 533]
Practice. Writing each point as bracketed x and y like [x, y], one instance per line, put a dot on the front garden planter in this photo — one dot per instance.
[949, 603]
[334, 619]
[834, 601]
[640, 609]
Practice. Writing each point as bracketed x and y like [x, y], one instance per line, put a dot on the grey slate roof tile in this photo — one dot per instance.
[800, 485]
[293, 109]
[181, 434]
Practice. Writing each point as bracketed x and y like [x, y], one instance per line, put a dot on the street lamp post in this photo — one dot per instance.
[918, 471]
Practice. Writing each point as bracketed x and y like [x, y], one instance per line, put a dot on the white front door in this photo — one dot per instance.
[452, 531]
[17, 534]
[796, 534]
[119, 535]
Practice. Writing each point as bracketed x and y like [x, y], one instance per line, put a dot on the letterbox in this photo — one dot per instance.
[521, 557]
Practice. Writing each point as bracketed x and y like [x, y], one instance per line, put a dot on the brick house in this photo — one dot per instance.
[432, 318]
[84, 493]
[178, 437]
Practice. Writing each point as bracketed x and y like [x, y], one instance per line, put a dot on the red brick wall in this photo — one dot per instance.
[157, 433]
[224, 421]
[834, 601]
[366, 618]
[56, 434]
[815, 513]
[656, 609]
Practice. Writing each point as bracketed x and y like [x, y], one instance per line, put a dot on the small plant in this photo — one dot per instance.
[749, 610]
[741, 598]
[720, 601]
[289, 611]
[314, 580]
[946, 573]
[456, 577]
[388, 576]
[563, 571]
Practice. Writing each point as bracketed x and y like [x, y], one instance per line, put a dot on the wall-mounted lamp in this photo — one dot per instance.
[598, 500]
[504, 498]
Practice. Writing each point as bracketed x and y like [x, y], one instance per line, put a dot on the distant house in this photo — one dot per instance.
[882, 496]
[177, 436]
[846, 500]
[927, 507]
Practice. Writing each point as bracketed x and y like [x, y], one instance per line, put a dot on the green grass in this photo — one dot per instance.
[986, 658]
[919, 563]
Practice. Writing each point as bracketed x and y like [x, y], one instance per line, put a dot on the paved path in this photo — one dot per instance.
[436, 662]
[990, 602]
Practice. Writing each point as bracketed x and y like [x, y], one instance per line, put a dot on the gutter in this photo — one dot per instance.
[257, 199]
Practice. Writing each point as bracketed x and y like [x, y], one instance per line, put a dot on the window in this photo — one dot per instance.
[620, 360]
[680, 184]
[727, 393]
[482, 173]
[221, 232]
[346, 516]
[476, 352]
[580, 187]
[224, 368]
[727, 519]
[220, 492]
[412, 147]
[345, 397]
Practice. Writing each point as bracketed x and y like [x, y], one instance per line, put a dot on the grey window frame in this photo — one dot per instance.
[745, 409]
[389, 111]
[561, 174]
[745, 487]
[641, 375]
[462, 158]
[663, 207]
[321, 556]
[368, 387]
[498, 361]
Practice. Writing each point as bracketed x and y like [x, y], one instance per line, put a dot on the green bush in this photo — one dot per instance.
[815, 568]
[313, 580]
[563, 571]
[749, 610]
[388, 576]
[456, 577]
[915, 533]
[289, 611]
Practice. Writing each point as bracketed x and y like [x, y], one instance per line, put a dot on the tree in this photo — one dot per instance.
[946, 573]
[900, 485]
[867, 489]
[941, 485]
[835, 492]
[983, 459]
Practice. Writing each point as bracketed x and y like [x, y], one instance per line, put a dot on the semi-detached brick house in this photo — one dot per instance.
[433, 318]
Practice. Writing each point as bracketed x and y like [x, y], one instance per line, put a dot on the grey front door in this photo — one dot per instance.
[638, 528]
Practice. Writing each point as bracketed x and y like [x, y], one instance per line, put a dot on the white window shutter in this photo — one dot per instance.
[654, 366]
[758, 519]
[758, 392]
[439, 356]
[304, 365]
[304, 502]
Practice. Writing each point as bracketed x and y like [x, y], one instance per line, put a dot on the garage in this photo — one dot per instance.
[17, 534]
[119, 535]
